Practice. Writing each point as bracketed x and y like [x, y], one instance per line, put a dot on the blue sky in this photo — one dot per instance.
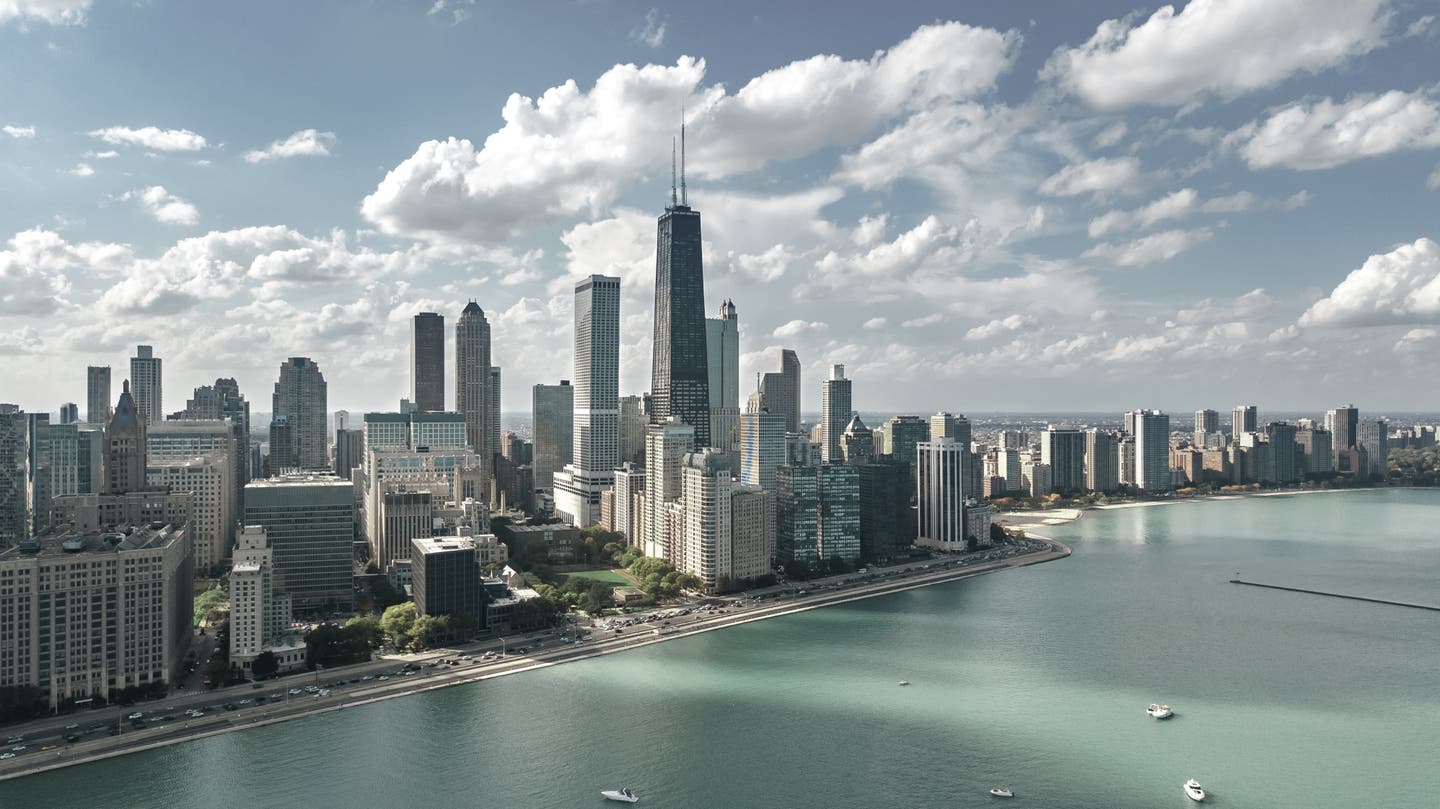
[974, 206]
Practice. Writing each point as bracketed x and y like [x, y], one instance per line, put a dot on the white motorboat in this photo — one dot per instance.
[621, 795]
[1003, 792]
[904, 682]
[1159, 711]
[1193, 790]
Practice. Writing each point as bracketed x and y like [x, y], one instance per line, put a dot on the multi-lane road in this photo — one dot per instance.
[110, 731]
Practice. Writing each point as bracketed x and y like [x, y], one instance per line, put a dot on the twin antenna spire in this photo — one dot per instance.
[684, 198]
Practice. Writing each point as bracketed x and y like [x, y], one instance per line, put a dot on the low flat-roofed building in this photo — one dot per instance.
[89, 613]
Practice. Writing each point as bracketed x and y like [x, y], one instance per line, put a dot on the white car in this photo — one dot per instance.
[136, 715]
[4, 756]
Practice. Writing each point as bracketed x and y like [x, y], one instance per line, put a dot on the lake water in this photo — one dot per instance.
[1034, 678]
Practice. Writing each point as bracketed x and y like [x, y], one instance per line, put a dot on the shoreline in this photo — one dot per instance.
[1030, 519]
[103, 748]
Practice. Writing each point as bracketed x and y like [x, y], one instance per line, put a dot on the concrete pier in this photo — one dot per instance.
[1338, 595]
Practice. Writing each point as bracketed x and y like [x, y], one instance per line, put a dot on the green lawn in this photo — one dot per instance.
[606, 575]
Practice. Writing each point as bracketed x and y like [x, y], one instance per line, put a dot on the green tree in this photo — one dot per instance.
[596, 597]
[398, 621]
[429, 631]
[366, 627]
[21, 702]
[209, 605]
[264, 665]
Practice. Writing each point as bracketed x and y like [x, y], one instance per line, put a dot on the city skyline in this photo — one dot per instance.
[1080, 231]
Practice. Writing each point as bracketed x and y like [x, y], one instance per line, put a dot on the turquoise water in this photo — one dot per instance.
[1034, 678]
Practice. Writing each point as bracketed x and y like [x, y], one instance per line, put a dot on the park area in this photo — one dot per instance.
[604, 575]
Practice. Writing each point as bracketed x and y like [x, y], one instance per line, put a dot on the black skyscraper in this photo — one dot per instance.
[427, 362]
[680, 384]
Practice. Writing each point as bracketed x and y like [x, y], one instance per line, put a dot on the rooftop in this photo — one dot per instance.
[283, 481]
[427, 545]
[66, 541]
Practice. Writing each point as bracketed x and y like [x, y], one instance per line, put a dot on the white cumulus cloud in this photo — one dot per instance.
[167, 208]
[1401, 286]
[795, 327]
[305, 143]
[1222, 48]
[999, 326]
[1103, 176]
[150, 137]
[83, 170]
[1323, 134]
[54, 12]
[571, 151]
[18, 131]
[1150, 249]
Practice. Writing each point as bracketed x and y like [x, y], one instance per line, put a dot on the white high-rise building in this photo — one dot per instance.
[706, 547]
[596, 403]
[942, 478]
[145, 385]
[666, 445]
[259, 617]
[1152, 450]
[208, 480]
[722, 356]
[629, 482]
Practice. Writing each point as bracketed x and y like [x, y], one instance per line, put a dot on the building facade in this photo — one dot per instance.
[1063, 449]
[1152, 450]
[146, 381]
[310, 523]
[474, 398]
[427, 361]
[553, 425]
[836, 408]
[300, 396]
[596, 430]
[97, 394]
[89, 613]
[780, 390]
[942, 476]
[447, 578]
[762, 446]
[722, 356]
[679, 376]
[666, 445]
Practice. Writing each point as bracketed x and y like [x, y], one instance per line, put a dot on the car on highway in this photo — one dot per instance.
[4, 756]
[368, 677]
[136, 715]
[295, 692]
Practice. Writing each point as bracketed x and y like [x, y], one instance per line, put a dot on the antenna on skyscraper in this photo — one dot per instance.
[673, 201]
[684, 198]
